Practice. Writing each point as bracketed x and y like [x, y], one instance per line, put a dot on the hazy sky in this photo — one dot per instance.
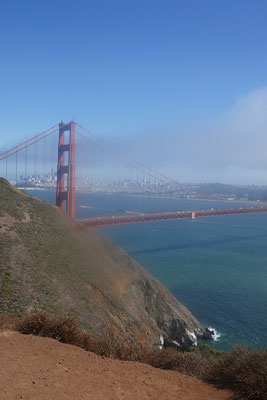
[179, 85]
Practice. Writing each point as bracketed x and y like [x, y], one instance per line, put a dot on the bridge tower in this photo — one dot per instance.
[65, 197]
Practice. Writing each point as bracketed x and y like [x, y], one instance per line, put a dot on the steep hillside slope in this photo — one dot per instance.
[44, 265]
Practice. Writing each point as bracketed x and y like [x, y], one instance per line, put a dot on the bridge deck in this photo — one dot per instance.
[133, 219]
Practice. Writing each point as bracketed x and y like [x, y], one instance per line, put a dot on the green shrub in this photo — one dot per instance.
[206, 351]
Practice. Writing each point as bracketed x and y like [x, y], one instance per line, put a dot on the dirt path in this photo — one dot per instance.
[34, 368]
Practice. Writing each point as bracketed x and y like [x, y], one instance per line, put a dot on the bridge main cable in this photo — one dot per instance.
[29, 142]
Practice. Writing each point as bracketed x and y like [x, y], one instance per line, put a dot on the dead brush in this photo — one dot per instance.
[117, 346]
[172, 359]
[242, 370]
[64, 329]
[169, 358]
[113, 345]
[8, 322]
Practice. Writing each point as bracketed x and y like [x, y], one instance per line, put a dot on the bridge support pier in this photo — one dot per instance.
[65, 196]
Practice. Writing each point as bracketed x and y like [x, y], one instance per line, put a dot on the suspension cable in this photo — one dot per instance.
[156, 174]
[27, 145]
[117, 156]
[27, 141]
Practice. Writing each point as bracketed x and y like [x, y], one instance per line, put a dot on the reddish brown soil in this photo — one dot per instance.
[34, 368]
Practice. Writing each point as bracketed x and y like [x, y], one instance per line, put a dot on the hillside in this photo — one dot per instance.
[44, 265]
[43, 368]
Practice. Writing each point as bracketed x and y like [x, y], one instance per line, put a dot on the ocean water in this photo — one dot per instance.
[216, 266]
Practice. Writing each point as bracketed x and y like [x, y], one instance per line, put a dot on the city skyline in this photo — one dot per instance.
[180, 86]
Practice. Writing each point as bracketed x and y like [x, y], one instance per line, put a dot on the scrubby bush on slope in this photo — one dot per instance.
[67, 330]
[243, 370]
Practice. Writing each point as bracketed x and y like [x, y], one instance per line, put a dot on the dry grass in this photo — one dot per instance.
[242, 370]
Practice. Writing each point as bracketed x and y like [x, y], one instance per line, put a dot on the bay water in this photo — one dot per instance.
[216, 266]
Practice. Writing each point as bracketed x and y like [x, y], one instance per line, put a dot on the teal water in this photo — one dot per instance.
[217, 266]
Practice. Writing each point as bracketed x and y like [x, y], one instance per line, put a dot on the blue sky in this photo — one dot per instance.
[179, 85]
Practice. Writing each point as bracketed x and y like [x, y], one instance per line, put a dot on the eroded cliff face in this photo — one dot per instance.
[44, 265]
[147, 303]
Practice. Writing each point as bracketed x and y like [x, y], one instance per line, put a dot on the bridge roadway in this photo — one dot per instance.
[141, 218]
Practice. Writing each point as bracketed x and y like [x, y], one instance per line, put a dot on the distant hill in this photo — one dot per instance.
[44, 265]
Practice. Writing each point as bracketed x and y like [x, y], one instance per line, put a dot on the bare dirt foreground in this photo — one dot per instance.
[35, 368]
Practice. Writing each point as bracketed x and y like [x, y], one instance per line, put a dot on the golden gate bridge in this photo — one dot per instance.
[69, 158]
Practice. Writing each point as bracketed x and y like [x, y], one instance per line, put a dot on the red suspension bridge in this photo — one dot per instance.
[68, 158]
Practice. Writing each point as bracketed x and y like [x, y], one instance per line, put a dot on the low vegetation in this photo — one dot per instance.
[242, 370]
[8, 322]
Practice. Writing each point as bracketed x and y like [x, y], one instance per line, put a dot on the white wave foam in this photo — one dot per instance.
[216, 336]
[161, 342]
[192, 336]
